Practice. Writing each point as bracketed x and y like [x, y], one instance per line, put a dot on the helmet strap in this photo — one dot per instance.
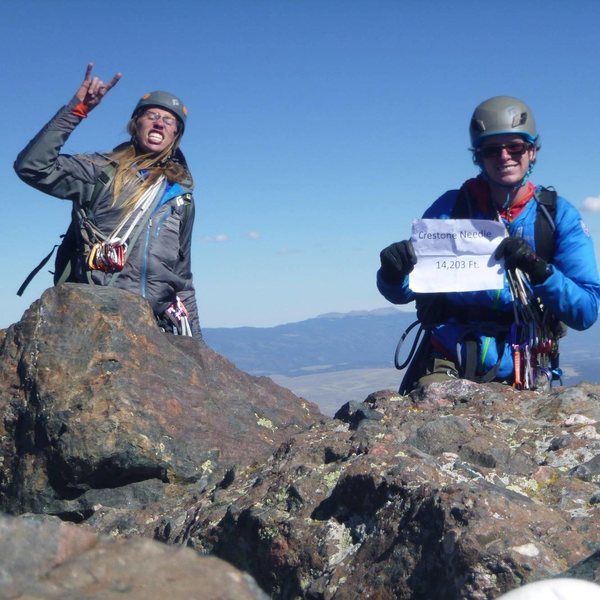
[509, 188]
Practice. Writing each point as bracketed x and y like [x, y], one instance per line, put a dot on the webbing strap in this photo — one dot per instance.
[418, 359]
[544, 223]
[141, 223]
[85, 213]
[36, 271]
[469, 369]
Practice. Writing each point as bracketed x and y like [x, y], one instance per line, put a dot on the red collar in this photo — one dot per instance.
[479, 190]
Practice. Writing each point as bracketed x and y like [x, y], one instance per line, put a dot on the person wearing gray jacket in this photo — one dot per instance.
[133, 209]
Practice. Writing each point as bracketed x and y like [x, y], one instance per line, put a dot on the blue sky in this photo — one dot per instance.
[317, 130]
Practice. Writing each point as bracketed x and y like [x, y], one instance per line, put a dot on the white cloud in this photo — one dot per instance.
[591, 204]
[221, 237]
[253, 235]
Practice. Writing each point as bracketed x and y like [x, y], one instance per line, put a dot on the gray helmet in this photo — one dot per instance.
[502, 115]
[163, 100]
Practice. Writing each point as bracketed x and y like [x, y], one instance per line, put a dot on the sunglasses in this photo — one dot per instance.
[514, 149]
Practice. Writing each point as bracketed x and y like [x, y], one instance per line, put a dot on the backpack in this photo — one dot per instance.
[544, 221]
[68, 249]
[433, 310]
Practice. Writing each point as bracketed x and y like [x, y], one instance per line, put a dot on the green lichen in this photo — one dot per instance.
[268, 534]
[207, 467]
[526, 487]
[264, 422]
[331, 478]
[281, 495]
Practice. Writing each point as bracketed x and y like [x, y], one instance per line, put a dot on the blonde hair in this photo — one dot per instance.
[128, 186]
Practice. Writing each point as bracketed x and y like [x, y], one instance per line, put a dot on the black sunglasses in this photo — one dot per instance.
[495, 151]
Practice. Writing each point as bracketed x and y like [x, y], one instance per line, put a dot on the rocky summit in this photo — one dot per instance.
[136, 464]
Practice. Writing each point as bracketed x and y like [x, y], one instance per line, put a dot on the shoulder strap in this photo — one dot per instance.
[36, 271]
[104, 180]
[463, 208]
[64, 266]
[544, 223]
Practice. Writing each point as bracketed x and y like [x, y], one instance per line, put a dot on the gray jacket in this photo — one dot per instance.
[158, 265]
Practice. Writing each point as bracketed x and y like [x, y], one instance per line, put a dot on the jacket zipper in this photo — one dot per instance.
[160, 223]
[144, 274]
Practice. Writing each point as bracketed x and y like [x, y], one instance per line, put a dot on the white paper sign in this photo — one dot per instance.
[456, 255]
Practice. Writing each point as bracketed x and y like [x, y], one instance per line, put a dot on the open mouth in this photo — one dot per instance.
[155, 137]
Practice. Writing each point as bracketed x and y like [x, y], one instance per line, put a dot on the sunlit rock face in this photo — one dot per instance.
[102, 408]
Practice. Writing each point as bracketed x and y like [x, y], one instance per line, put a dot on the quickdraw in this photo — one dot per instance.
[108, 257]
[535, 350]
[517, 384]
[178, 316]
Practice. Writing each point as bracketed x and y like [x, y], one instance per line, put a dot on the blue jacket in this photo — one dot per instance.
[571, 292]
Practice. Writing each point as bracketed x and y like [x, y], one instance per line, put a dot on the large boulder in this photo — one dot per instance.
[43, 559]
[100, 407]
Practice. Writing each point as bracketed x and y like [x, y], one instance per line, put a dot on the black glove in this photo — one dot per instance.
[518, 254]
[397, 261]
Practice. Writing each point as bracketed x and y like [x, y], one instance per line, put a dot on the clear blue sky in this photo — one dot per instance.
[318, 129]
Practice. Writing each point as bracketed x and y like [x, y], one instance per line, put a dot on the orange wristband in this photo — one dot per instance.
[81, 110]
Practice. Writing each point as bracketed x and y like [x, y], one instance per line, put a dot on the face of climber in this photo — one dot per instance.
[155, 129]
[505, 159]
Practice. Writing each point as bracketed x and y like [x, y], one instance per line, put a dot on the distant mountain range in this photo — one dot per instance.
[330, 342]
[357, 340]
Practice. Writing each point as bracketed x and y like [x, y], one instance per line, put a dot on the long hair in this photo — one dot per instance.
[129, 185]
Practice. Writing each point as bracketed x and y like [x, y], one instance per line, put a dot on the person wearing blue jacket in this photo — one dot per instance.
[133, 209]
[564, 287]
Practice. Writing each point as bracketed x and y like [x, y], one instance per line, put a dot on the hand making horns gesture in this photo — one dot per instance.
[92, 90]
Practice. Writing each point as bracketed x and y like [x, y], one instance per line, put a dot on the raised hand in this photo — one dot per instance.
[93, 89]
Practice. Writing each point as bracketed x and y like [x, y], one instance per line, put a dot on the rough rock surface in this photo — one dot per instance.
[45, 560]
[462, 492]
[102, 408]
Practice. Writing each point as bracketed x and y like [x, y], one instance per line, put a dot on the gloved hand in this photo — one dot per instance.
[518, 254]
[397, 261]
